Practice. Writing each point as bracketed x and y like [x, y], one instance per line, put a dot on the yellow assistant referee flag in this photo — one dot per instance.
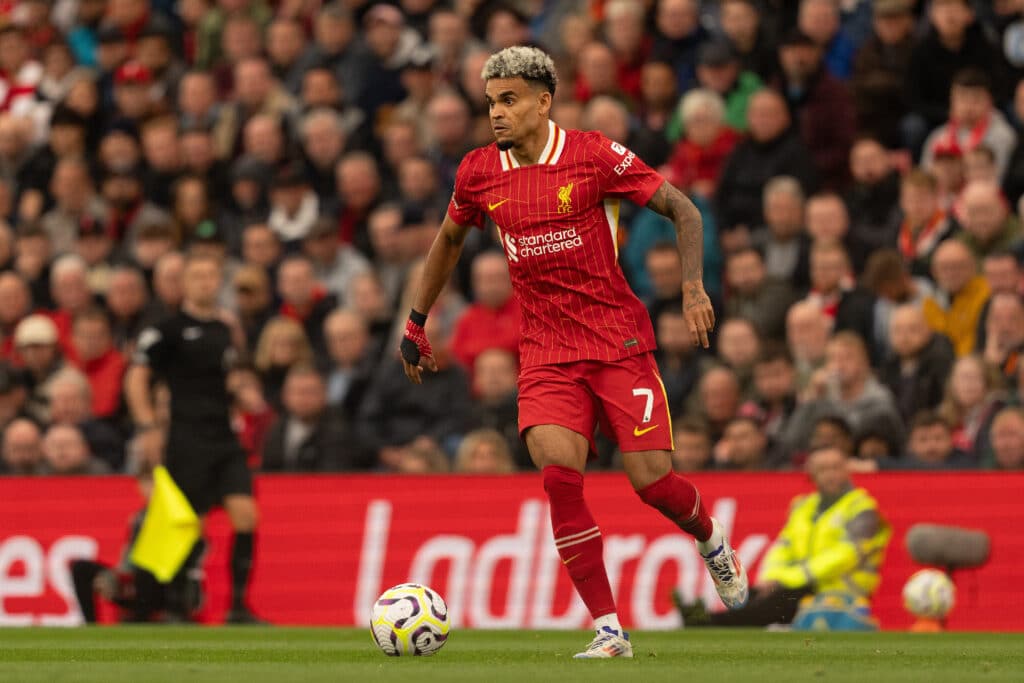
[169, 529]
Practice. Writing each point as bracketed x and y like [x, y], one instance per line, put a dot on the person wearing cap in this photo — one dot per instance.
[294, 207]
[132, 97]
[35, 340]
[820, 104]
[880, 71]
[334, 264]
[246, 203]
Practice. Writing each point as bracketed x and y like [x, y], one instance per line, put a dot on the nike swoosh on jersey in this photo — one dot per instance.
[640, 432]
[492, 207]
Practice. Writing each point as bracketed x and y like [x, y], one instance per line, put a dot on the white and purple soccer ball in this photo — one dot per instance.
[409, 619]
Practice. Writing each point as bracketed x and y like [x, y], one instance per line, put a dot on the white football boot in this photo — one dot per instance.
[607, 643]
[728, 574]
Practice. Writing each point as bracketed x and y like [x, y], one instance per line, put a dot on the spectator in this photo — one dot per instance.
[197, 101]
[492, 321]
[304, 299]
[1004, 333]
[308, 436]
[916, 373]
[819, 102]
[954, 41]
[783, 241]
[168, 284]
[334, 46]
[611, 117]
[774, 398]
[129, 211]
[263, 139]
[66, 453]
[323, 139]
[807, 332]
[873, 201]
[834, 289]
[247, 202]
[597, 74]
[103, 365]
[483, 451]
[718, 400]
[359, 192]
[678, 366]
[930, 446]
[971, 400]
[624, 24]
[294, 207]
[36, 341]
[1008, 440]
[350, 364]
[22, 449]
[678, 36]
[698, 158]
[70, 397]
[96, 248]
[771, 149]
[74, 198]
[738, 349]
[162, 154]
[390, 42]
[845, 386]
[743, 446]
[819, 20]
[394, 413]
[126, 300]
[1004, 274]
[973, 121]
[12, 395]
[285, 44]
[720, 70]
[495, 374]
[261, 247]
[282, 344]
[956, 308]
[743, 25]
[658, 97]
[754, 295]
[988, 223]
[925, 224]
[69, 282]
[692, 445]
[334, 264]
[15, 304]
[880, 71]
[828, 221]
[253, 298]
[256, 94]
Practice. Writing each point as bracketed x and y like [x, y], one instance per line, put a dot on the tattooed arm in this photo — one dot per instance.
[674, 205]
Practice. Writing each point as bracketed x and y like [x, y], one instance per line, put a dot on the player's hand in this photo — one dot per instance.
[700, 316]
[416, 351]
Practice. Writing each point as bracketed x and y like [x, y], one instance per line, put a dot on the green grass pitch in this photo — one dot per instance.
[280, 655]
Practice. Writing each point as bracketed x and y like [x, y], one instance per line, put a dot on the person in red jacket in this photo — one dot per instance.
[492, 321]
[96, 356]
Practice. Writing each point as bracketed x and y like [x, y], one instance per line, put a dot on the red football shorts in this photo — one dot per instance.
[626, 398]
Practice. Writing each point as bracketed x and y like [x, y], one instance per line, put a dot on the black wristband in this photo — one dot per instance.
[417, 317]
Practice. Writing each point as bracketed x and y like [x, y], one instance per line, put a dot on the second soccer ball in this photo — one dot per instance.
[409, 619]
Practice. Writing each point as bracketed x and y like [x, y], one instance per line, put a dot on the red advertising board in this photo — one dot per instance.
[328, 545]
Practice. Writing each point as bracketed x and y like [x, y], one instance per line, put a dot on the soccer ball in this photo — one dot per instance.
[409, 619]
[929, 594]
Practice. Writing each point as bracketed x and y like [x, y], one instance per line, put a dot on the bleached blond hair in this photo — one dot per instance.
[520, 61]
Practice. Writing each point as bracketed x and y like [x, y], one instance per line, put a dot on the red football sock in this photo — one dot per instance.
[679, 500]
[578, 539]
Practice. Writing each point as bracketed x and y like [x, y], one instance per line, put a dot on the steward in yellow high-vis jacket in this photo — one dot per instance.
[834, 541]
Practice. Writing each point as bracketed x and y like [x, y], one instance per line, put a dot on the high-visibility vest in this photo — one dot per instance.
[818, 550]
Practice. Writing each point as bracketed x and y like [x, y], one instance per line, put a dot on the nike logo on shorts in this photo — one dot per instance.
[640, 432]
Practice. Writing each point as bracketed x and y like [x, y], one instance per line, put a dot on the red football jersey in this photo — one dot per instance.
[558, 221]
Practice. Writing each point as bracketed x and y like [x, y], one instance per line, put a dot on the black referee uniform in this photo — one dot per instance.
[203, 454]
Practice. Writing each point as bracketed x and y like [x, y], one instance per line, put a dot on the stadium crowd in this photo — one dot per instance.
[859, 166]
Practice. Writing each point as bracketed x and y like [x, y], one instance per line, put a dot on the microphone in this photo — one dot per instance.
[948, 546]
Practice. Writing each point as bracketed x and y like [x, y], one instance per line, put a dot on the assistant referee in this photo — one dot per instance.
[191, 352]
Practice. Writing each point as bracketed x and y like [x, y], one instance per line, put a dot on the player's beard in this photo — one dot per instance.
[505, 145]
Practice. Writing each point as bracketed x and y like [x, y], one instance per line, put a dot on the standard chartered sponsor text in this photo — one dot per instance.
[548, 243]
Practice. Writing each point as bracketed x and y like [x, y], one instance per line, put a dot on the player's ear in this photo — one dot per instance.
[544, 103]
